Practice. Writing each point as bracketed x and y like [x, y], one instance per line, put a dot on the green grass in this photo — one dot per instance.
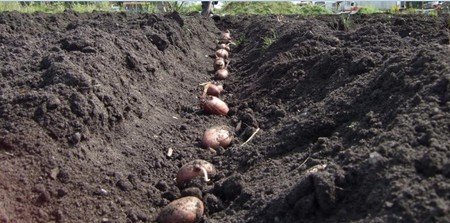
[150, 7]
[433, 13]
[54, 7]
[229, 8]
[269, 40]
[266, 8]
[394, 9]
[347, 22]
[31, 7]
[312, 10]
[9, 6]
[369, 10]
[188, 8]
[239, 41]
[411, 11]
[90, 7]
[86, 7]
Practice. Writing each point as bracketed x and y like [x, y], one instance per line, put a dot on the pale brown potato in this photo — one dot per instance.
[184, 210]
[214, 90]
[217, 136]
[194, 169]
[226, 35]
[219, 63]
[225, 46]
[222, 53]
[222, 74]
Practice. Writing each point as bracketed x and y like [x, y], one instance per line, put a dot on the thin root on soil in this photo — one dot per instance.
[251, 137]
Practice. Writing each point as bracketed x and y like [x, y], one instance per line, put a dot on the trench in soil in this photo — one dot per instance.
[353, 117]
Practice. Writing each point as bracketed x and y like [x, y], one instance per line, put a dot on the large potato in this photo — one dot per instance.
[213, 105]
[217, 136]
[184, 210]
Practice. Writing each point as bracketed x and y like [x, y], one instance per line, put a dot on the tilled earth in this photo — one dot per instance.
[353, 114]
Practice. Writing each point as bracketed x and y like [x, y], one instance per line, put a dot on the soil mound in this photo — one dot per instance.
[354, 115]
[90, 104]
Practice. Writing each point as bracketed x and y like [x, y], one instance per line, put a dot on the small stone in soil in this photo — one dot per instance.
[101, 192]
[75, 138]
[124, 185]
[162, 185]
[61, 192]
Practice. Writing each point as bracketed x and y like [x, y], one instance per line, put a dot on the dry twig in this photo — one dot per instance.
[251, 137]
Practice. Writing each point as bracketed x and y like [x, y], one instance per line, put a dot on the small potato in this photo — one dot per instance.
[214, 90]
[194, 169]
[184, 210]
[225, 35]
[225, 46]
[222, 53]
[219, 63]
[217, 136]
[222, 74]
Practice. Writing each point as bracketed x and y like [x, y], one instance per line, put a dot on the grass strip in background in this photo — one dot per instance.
[54, 7]
[187, 8]
[266, 8]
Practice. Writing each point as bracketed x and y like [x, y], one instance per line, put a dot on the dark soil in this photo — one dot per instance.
[354, 117]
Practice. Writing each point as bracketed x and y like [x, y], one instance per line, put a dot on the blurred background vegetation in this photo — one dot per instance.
[264, 8]
[226, 8]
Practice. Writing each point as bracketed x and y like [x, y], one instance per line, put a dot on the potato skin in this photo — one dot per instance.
[222, 74]
[225, 36]
[214, 90]
[217, 136]
[205, 164]
[189, 171]
[219, 63]
[184, 210]
[210, 139]
[224, 137]
[214, 105]
[222, 53]
[224, 46]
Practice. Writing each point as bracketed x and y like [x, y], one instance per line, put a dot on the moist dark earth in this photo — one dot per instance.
[353, 113]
